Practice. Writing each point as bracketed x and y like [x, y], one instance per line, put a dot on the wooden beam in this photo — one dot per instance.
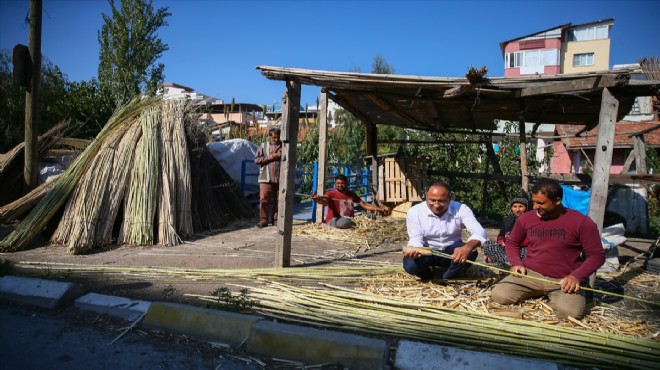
[478, 176]
[371, 136]
[323, 154]
[640, 154]
[570, 86]
[289, 135]
[603, 159]
[629, 162]
[433, 142]
[386, 106]
[586, 157]
[523, 153]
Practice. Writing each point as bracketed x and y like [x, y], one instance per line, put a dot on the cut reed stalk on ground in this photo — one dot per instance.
[383, 315]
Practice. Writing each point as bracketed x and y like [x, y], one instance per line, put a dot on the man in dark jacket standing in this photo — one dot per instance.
[563, 245]
[269, 157]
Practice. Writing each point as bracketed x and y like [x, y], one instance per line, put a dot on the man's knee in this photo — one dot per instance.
[573, 311]
[410, 266]
[500, 294]
[573, 307]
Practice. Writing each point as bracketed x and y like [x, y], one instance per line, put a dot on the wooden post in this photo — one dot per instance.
[609, 108]
[640, 154]
[290, 122]
[523, 153]
[33, 100]
[323, 154]
[371, 136]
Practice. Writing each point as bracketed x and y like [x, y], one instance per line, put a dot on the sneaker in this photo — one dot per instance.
[260, 225]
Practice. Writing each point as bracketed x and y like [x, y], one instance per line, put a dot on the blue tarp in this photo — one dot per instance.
[576, 199]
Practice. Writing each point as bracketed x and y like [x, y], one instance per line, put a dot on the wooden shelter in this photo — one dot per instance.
[468, 105]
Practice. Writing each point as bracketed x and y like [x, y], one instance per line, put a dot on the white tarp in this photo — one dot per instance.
[612, 237]
[51, 169]
[231, 154]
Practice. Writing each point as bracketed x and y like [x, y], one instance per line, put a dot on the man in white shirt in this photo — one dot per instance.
[438, 223]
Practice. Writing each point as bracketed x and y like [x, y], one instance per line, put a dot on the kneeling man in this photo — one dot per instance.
[563, 245]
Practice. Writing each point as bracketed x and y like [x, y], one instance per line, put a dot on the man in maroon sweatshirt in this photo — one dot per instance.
[563, 245]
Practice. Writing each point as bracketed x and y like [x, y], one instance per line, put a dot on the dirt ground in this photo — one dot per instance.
[238, 246]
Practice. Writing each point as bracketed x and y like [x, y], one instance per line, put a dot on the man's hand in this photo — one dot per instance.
[276, 156]
[518, 271]
[385, 210]
[570, 284]
[320, 199]
[461, 253]
[412, 254]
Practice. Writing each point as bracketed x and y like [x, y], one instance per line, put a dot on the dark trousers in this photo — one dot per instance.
[268, 194]
[420, 267]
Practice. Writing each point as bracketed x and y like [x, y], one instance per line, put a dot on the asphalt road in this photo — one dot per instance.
[31, 338]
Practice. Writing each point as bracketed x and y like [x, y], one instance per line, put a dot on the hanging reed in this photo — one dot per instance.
[121, 166]
[167, 207]
[140, 205]
[182, 114]
[77, 227]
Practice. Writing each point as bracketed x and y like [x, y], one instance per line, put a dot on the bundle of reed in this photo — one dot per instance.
[216, 198]
[182, 115]
[348, 309]
[77, 228]
[41, 214]
[21, 206]
[12, 163]
[167, 206]
[140, 205]
[112, 201]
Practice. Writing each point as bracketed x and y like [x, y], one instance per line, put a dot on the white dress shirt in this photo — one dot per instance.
[428, 230]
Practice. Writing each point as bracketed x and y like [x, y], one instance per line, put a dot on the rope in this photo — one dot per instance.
[445, 255]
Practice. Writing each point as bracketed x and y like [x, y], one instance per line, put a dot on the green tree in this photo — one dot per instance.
[346, 141]
[380, 66]
[12, 106]
[89, 107]
[56, 105]
[130, 47]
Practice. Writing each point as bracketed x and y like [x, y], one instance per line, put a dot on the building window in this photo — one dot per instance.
[589, 33]
[513, 60]
[532, 58]
[586, 59]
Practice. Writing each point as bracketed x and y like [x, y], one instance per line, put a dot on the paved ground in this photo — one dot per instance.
[239, 246]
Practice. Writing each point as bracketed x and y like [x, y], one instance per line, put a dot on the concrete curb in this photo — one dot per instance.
[38, 292]
[261, 336]
[200, 323]
[315, 347]
[123, 308]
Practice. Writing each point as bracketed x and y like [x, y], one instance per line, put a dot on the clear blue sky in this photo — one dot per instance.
[214, 46]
